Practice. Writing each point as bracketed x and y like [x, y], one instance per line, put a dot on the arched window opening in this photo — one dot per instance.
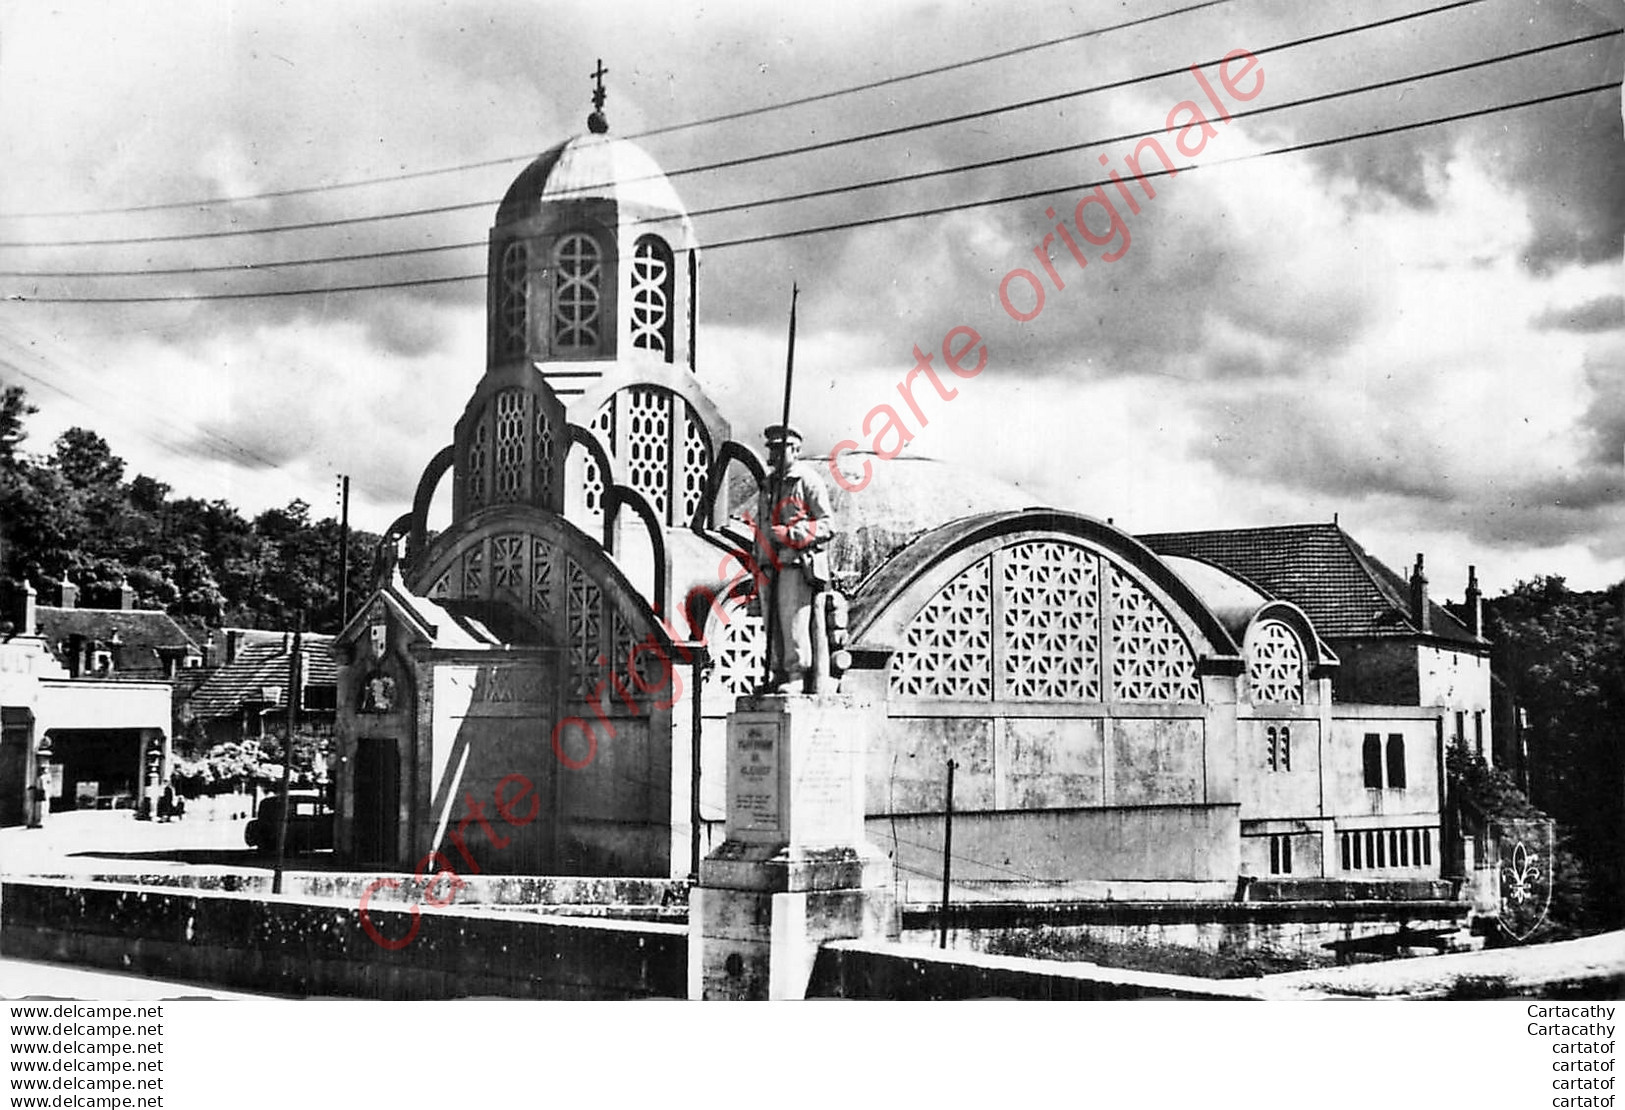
[1396, 762]
[478, 461]
[513, 299]
[653, 289]
[577, 295]
[1275, 664]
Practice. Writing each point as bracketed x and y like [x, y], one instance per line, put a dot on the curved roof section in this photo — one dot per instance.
[591, 167]
[1232, 599]
[904, 498]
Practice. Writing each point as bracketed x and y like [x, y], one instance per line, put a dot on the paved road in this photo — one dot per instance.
[21, 979]
[109, 842]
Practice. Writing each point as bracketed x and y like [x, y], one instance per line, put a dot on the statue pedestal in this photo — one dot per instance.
[795, 870]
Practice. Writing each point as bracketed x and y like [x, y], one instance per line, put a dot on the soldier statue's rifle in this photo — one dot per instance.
[771, 599]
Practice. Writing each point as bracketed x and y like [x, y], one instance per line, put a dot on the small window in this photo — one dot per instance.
[1461, 727]
[1280, 748]
[513, 299]
[578, 295]
[1396, 762]
[1478, 731]
[653, 286]
[1280, 854]
[1372, 758]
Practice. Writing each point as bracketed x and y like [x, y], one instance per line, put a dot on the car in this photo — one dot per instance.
[310, 824]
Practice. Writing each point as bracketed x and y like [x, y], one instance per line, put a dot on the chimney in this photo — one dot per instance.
[210, 658]
[234, 639]
[1474, 604]
[68, 594]
[126, 596]
[1421, 612]
[30, 609]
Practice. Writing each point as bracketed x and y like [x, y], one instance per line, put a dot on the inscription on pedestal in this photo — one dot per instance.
[824, 791]
[755, 753]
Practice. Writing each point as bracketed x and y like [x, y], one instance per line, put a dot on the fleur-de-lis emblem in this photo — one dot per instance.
[1521, 873]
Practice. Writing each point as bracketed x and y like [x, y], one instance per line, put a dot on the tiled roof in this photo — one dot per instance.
[257, 666]
[1321, 569]
[141, 633]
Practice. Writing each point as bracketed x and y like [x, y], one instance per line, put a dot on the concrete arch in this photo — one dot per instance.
[889, 599]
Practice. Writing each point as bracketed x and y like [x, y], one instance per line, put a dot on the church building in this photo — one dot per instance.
[542, 687]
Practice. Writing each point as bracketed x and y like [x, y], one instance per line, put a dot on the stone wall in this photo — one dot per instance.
[1205, 937]
[877, 970]
[314, 946]
[1161, 852]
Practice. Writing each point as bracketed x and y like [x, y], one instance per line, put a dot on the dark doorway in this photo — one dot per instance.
[377, 799]
[16, 738]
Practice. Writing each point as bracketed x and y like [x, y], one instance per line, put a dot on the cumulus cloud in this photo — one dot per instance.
[1605, 313]
[1421, 331]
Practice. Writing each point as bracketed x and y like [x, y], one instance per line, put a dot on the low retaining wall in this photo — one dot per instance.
[1232, 937]
[643, 899]
[875, 970]
[316, 946]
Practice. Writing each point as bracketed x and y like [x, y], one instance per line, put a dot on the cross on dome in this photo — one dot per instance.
[596, 122]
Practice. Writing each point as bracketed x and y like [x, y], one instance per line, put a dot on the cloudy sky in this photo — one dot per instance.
[1422, 332]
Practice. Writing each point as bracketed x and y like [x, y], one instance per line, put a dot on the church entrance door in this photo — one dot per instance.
[377, 799]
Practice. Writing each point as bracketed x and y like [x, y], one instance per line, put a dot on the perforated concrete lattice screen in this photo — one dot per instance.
[584, 626]
[513, 305]
[948, 651]
[1054, 617]
[1275, 664]
[652, 296]
[742, 653]
[509, 479]
[1050, 627]
[662, 447]
[1150, 659]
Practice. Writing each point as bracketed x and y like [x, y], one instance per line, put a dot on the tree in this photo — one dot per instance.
[71, 514]
[1559, 652]
[14, 411]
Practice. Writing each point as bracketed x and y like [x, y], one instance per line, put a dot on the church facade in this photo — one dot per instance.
[542, 686]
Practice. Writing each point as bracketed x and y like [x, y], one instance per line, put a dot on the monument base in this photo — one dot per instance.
[795, 870]
[756, 924]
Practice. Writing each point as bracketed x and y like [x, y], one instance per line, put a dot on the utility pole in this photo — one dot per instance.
[344, 550]
[295, 683]
[947, 852]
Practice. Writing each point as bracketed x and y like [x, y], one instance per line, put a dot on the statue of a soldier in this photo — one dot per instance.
[796, 527]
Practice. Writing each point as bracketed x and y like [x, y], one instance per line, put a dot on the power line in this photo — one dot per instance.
[874, 220]
[220, 445]
[1038, 193]
[667, 129]
[734, 163]
[835, 190]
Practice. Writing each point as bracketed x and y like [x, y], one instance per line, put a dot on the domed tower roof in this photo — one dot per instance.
[591, 167]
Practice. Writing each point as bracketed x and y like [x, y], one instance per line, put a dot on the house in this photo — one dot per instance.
[1396, 645]
[85, 704]
[244, 698]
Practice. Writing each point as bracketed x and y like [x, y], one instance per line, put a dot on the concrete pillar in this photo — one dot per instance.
[795, 870]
